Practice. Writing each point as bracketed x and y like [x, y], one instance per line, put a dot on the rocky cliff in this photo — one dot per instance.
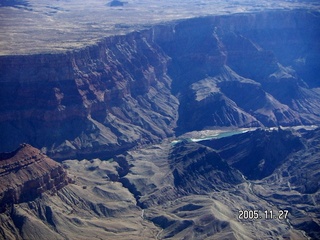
[27, 173]
[245, 69]
[257, 69]
[101, 99]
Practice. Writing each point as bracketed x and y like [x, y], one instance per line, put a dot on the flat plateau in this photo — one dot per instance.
[37, 26]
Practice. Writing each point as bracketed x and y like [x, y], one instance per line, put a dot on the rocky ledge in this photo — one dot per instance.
[26, 173]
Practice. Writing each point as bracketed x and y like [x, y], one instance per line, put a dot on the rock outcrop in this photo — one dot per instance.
[27, 173]
[190, 162]
[94, 206]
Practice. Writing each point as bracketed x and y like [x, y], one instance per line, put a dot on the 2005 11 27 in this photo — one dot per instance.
[267, 214]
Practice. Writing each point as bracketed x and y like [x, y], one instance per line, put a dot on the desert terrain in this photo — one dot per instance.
[159, 120]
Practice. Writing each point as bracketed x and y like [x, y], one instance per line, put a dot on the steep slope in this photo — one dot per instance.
[294, 185]
[101, 99]
[160, 173]
[259, 78]
[257, 154]
[255, 100]
[215, 110]
[144, 86]
[124, 99]
[27, 173]
[228, 99]
[197, 169]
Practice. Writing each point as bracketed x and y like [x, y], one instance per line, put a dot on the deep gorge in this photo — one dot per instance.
[242, 70]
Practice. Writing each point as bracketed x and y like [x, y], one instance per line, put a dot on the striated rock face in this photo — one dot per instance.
[238, 70]
[101, 99]
[27, 173]
[190, 162]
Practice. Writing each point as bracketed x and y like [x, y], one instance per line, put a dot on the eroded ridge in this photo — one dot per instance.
[26, 173]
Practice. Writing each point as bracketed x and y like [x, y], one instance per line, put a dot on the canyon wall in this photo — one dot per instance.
[102, 99]
[242, 70]
[245, 69]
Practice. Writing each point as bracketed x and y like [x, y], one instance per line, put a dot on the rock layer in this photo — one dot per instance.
[101, 99]
[27, 173]
[145, 86]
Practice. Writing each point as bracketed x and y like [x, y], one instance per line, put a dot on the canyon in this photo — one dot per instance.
[173, 78]
[122, 116]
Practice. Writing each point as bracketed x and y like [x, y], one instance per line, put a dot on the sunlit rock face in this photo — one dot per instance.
[27, 173]
[241, 70]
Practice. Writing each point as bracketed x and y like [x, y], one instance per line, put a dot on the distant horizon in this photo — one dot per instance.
[35, 26]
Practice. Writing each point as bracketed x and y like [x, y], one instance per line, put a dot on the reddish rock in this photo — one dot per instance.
[26, 173]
